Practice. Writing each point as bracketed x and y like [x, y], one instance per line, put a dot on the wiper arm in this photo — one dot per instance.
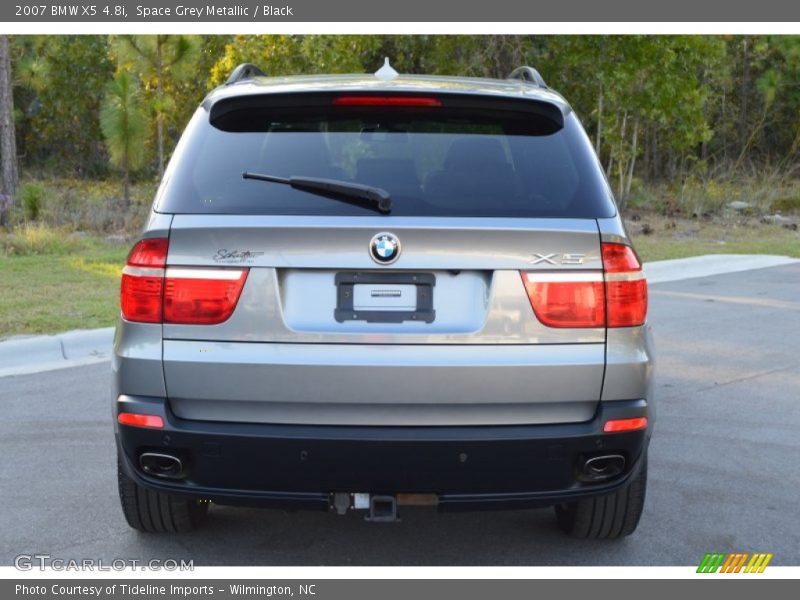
[352, 193]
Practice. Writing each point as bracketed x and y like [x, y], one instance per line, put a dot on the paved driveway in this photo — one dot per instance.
[724, 471]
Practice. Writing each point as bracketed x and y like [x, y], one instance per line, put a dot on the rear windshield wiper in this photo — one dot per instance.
[352, 193]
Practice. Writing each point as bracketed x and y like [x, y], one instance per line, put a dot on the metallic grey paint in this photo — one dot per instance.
[282, 357]
[359, 384]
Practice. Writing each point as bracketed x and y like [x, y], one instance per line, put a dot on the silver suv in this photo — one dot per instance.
[365, 292]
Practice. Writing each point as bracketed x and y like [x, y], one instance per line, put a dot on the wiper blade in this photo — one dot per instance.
[352, 193]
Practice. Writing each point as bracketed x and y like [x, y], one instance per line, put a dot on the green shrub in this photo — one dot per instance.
[31, 197]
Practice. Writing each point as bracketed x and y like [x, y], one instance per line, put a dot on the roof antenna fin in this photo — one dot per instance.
[386, 72]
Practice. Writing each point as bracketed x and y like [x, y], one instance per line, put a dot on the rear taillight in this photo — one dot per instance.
[141, 294]
[564, 300]
[617, 297]
[626, 286]
[201, 296]
[150, 252]
[143, 281]
[151, 293]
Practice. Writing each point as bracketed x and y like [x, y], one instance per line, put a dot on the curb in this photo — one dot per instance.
[36, 354]
[663, 271]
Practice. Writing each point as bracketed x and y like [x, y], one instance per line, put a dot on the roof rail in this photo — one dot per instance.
[244, 71]
[528, 74]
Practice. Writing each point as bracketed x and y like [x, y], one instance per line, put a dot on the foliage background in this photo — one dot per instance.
[679, 122]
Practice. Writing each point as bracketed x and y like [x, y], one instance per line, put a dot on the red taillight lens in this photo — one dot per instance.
[408, 101]
[140, 298]
[619, 258]
[566, 303]
[583, 299]
[142, 281]
[626, 287]
[627, 303]
[201, 297]
[619, 425]
[137, 420]
[152, 294]
[151, 252]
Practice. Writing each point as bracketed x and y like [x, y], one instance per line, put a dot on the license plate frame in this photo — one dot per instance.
[345, 282]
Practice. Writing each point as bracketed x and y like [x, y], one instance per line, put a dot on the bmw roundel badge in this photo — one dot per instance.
[384, 248]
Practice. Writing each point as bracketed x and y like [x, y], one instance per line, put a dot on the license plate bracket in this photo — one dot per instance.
[346, 281]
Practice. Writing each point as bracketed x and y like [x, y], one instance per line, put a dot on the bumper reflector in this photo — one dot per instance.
[619, 425]
[137, 420]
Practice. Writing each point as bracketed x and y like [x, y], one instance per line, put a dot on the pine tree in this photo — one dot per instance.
[124, 124]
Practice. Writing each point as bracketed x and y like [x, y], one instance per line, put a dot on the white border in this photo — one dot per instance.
[477, 28]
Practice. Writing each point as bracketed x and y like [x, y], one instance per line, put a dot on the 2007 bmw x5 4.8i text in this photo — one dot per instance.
[363, 292]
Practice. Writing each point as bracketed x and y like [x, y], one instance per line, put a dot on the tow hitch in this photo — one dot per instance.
[381, 508]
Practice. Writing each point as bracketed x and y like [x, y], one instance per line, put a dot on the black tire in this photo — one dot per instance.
[606, 517]
[155, 512]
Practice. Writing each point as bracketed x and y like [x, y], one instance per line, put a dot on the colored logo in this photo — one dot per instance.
[384, 248]
[735, 562]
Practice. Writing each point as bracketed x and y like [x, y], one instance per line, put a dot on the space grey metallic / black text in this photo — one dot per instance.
[360, 293]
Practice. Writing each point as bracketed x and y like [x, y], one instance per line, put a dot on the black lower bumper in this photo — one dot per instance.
[296, 466]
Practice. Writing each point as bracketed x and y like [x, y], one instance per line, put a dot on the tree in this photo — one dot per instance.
[636, 93]
[125, 124]
[162, 60]
[64, 77]
[8, 143]
[274, 54]
[308, 54]
[659, 109]
[187, 91]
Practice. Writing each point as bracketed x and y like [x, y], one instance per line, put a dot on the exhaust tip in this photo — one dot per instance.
[161, 465]
[605, 466]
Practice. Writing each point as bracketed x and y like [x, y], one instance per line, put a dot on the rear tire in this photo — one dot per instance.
[611, 516]
[155, 512]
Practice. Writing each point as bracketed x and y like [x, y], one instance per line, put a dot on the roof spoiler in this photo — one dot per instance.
[240, 112]
[528, 75]
[243, 72]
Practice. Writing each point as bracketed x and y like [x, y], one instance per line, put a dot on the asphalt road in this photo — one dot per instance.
[724, 472]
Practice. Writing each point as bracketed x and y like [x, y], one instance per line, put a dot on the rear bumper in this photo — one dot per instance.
[296, 466]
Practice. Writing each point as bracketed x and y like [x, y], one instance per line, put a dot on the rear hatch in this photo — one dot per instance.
[416, 317]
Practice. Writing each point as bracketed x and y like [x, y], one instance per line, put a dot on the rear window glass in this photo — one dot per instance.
[433, 162]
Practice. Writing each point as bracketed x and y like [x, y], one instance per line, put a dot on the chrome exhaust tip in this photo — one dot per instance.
[161, 465]
[605, 466]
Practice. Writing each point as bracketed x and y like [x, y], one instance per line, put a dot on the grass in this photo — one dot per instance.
[659, 238]
[52, 286]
